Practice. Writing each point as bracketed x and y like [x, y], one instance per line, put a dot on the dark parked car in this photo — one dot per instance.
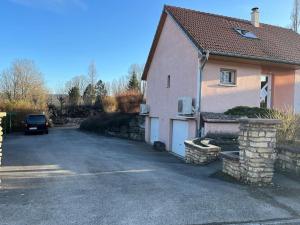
[36, 124]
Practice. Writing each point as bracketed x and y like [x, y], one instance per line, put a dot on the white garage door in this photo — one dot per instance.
[179, 135]
[154, 130]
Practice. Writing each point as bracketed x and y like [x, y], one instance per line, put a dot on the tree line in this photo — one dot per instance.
[22, 88]
[88, 90]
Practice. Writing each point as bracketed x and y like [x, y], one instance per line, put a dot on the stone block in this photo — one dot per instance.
[270, 134]
[254, 134]
[252, 154]
[288, 159]
[259, 144]
[260, 139]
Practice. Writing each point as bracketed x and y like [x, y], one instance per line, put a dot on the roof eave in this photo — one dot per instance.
[164, 15]
[254, 58]
[154, 44]
[185, 31]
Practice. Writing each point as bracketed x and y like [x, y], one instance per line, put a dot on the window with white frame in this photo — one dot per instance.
[228, 77]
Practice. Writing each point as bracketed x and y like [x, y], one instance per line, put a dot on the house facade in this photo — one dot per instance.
[219, 63]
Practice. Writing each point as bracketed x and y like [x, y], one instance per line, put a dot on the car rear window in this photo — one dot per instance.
[36, 119]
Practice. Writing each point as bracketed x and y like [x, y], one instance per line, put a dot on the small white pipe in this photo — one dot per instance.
[198, 82]
[202, 61]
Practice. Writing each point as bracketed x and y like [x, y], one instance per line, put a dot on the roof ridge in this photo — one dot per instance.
[207, 13]
[227, 17]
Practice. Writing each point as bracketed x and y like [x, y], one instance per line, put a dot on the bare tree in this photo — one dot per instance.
[108, 88]
[119, 85]
[62, 101]
[295, 16]
[137, 69]
[92, 74]
[22, 81]
[80, 82]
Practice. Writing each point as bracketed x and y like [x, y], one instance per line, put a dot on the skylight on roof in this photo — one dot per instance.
[246, 33]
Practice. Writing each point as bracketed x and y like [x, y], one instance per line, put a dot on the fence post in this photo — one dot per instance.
[2, 114]
[257, 143]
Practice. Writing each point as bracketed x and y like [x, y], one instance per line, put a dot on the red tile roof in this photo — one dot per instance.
[216, 33]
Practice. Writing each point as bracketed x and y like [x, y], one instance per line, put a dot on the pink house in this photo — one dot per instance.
[200, 62]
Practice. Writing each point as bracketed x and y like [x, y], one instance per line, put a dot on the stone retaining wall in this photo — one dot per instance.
[200, 155]
[1, 135]
[135, 130]
[288, 159]
[231, 164]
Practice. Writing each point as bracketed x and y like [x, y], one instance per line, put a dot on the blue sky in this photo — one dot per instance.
[64, 36]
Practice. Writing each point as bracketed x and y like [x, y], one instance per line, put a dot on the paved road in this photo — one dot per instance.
[70, 177]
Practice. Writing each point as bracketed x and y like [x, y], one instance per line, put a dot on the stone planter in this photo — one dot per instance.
[231, 164]
[200, 154]
[288, 159]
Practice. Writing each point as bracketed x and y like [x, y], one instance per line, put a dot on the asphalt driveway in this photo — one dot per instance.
[70, 177]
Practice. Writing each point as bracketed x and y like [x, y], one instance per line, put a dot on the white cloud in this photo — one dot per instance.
[53, 5]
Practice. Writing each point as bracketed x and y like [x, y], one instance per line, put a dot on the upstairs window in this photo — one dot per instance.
[169, 81]
[227, 77]
[245, 33]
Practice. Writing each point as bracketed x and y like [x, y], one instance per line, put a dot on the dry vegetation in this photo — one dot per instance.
[22, 90]
[129, 101]
[110, 104]
[290, 126]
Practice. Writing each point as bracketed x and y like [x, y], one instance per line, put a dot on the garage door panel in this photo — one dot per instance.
[179, 135]
[154, 130]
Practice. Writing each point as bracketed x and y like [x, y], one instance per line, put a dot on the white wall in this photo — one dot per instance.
[176, 56]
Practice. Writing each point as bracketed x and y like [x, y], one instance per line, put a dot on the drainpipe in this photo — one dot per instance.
[203, 58]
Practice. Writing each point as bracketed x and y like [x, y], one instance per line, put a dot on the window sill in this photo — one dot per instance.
[228, 85]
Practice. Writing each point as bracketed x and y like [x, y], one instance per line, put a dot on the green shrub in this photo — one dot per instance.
[107, 121]
[79, 111]
[251, 112]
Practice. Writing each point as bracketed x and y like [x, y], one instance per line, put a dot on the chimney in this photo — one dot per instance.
[255, 17]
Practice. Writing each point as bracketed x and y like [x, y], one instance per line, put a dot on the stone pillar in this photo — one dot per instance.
[1, 134]
[257, 143]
